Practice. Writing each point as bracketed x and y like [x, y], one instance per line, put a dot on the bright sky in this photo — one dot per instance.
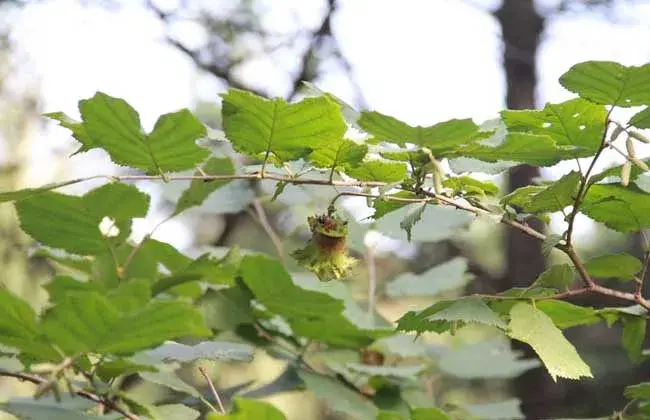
[423, 61]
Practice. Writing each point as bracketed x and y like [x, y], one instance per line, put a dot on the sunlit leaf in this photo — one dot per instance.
[559, 276]
[548, 198]
[534, 327]
[621, 266]
[609, 83]
[619, 208]
[199, 189]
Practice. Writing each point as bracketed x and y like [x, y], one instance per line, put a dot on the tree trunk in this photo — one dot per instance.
[521, 27]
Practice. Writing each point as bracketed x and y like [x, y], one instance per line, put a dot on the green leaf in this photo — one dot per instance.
[384, 206]
[246, 409]
[19, 330]
[412, 217]
[485, 359]
[546, 199]
[114, 125]
[61, 286]
[549, 243]
[576, 122]
[465, 185]
[256, 125]
[429, 413]
[609, 83]
[209, 350]
[442, 139]
[338, 154]
[77, 128]
[533, 149]
[619, 208]
[177, 411]
[621, 266]
[376, 170]
[615, 173]
[633, 336]
[31, 192]
[199, 189]
[534, 327]
[641, 119]
[400, 371]
[567, 315]
[311, 314]
[439, 316]
[48, 408]
[87, 321]
[389, 415]
[340, 398]
[558, 276]
[446, 276]
[72, 223]
[638, 392]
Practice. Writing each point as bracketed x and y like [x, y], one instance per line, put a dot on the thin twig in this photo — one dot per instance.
[584, 181]
[222, 410]
[266, 225]
[106, 402]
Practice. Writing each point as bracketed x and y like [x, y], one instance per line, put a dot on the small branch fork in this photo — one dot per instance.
[107, 402]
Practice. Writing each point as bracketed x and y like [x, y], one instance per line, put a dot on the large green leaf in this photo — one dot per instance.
[533, 149]
[576, 122]
[340, 398]
[311, 314]
[72, 223]
[638, 392]
[442, 139]
[256, 125]
[621, 266]
[112, 124]
[440, 316]
[609, 83]
[619, 208]
[534, 327]
[548, 198]
[88, 321]
[199, 189]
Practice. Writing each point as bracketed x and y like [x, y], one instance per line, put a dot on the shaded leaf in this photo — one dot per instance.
[634, 328]
[442, 139]
[559, 276]
[376, 170]
[199, 189]
[72, 222]
[534, 327]
[400, 371]
[621, 266]
[465, 185]
[256, 125]
[245, 409]
[411, 218]
[609, 83]
[177, 412]
[448, 275]
[210, 350]
[641, 119]
[338, 154]
[638, 392]
[87, 321]
[48, 408]
[311, 314]
[429, 413]
[485, 359]
[340, 398]
[533, 149]
[384, 206]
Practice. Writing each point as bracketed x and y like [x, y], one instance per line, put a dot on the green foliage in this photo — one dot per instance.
[115, 307]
